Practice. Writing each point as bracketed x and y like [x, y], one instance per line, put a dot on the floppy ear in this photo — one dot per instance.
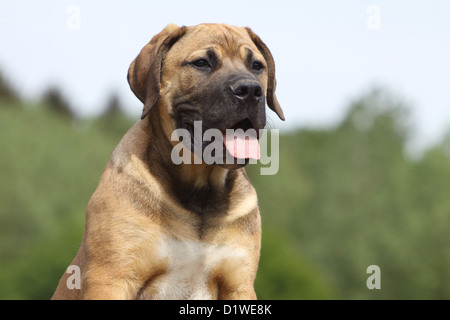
[144, 74]
[272, 101]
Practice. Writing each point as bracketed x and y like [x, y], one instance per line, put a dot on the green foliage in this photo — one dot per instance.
[50, 167]
[284, 274]
[350, 197]
[344, 198]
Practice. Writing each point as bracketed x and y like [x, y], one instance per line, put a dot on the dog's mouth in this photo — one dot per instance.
[243, 124]
[238, 142]
[241, 141]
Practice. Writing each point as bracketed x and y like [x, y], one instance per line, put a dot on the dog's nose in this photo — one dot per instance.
[247, 90]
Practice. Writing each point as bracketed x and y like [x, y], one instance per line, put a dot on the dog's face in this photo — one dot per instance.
[218, 74]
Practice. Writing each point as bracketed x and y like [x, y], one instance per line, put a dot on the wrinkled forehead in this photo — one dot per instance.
[227, 41]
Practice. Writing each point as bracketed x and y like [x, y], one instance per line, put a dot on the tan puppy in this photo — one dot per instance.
[157, 230]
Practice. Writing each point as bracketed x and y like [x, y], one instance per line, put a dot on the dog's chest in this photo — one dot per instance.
[189, 268]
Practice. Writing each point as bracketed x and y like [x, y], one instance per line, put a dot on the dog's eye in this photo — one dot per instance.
[257, 65]
[201, 63]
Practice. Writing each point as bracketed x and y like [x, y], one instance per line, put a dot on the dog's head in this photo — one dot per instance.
[218, 74]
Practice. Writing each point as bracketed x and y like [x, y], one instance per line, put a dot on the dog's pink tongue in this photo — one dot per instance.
[242, 146]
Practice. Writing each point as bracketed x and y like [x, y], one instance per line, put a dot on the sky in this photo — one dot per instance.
[327, 53]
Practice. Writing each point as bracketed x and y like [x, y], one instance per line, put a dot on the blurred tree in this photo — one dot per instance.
[283, 274]
[113, 107]
[6, 91]
[351, 197]
[54, 99]
[113, 120]
[344, 198]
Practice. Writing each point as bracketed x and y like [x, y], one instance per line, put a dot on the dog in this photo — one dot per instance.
[159, 230]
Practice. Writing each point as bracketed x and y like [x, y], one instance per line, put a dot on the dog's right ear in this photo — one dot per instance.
[144, 74]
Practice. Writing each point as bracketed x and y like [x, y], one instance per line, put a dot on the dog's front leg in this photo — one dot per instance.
[236, 283]
[106, 285]
[119, 290]
[240, 293]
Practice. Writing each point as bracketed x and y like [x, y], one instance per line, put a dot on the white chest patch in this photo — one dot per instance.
[190, 263]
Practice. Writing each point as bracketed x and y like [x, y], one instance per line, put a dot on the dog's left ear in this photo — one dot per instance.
[272, 101]
[144, 74]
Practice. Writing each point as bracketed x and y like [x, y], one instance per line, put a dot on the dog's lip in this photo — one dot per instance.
[185, 106]
[244, 124]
